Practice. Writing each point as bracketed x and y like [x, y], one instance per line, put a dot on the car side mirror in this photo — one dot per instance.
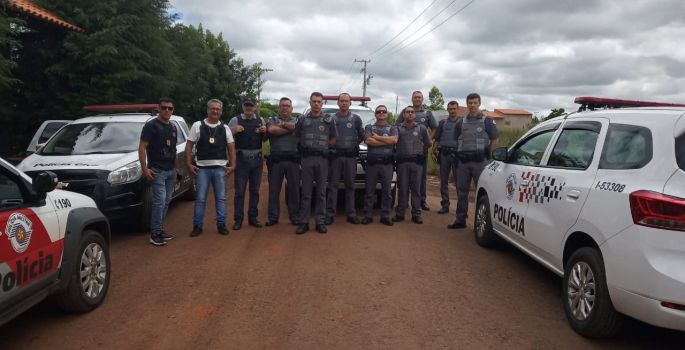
[44, 182]
[500, 154]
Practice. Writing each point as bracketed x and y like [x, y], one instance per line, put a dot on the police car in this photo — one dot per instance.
[598, 197]
[52, 242]
[368, 117]
[98, 156]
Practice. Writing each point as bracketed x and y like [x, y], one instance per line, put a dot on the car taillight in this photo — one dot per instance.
[658, 210]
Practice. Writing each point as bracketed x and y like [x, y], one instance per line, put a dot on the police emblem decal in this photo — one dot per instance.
[321, 128]
[479, 129]
[349, 125]
[19, 229]
[415, 133]
[511, 186]
[423, 120]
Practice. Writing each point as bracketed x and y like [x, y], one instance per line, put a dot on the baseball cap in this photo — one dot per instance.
[248, 100]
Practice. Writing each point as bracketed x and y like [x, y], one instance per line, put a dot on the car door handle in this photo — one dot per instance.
[573, 194]
[524, 183]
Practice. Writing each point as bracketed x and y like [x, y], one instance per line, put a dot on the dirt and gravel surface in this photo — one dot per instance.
[358, 287]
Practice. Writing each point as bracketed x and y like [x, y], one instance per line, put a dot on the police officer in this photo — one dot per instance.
[426, 119]
[284, 162]
[315, 132]
[249, 132]
[344, 159]
[214, 142]
[157, 156]
[410, 153]
[380, 138]
[445, 152]
[476, 135]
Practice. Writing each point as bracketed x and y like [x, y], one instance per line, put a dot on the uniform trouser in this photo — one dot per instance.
[277, 172]
[448, 163]
[216, 177]
[248, 170]
[424, 169]
[345, 167]
[314, 169]
[162, 188]
[466, 172]
[378, 173]
[408, 182]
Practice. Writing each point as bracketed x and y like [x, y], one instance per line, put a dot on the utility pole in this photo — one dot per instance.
[259, 81]
[366, 80]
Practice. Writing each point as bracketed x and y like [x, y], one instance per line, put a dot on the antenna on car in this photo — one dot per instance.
[140, 107]
[592, 103]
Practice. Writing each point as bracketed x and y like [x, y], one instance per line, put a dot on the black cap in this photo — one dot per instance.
[248, 100]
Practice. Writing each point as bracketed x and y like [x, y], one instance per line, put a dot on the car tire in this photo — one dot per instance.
[145, 210]
[191, 192]
[84, 293]
[586, 297]
[484, 234]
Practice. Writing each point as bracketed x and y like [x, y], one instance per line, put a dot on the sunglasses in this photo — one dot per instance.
[166, 108]
[381, 112]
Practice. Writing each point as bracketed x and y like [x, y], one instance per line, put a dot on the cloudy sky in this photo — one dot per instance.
[528, 54]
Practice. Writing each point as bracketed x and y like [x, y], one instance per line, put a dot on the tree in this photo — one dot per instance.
[7, 44]
[267, 110]
[437, 100]
[556, 112]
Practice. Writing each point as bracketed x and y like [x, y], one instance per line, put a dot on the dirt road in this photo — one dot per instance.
[358, 287]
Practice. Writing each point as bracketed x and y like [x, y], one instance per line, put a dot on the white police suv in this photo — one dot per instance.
[598, 197]
[98, 156]
[52, 242]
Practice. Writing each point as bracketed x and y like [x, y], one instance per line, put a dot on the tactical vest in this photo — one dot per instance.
[422, 118]
[473, 137]
[385, 150]
[314, 134]
[249, 138]
[410, 140]
[282, 143]
[447, 134]
[348, 138]
[212, 142]
[163, 147]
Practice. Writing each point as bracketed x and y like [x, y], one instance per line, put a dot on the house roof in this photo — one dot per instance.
[508, 111]
[33, 10]
[493, 114]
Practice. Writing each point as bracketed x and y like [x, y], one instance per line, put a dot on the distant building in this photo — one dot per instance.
[37, 14]
[504, 117]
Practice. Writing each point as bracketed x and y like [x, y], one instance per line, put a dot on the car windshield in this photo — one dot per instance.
[367, 116]
[94, 138]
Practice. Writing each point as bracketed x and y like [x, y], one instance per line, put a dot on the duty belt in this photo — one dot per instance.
[308, 152]
[354, 152]
[373, 160]
[418, 159]
[467, 157]
[447, 150]
[249, 153]
[284, 157]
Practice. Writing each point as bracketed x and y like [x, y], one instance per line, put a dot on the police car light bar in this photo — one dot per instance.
[591, 103]
[352, 98]
[130, 107]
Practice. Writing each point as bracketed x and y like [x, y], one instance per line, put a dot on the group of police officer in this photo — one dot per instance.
[315, 151]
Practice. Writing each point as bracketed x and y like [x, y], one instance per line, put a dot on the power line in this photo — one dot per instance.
[417, 30]
[432, 29]
[403, 29]
[347, 76]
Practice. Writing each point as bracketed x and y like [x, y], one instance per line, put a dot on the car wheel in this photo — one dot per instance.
[89, 281]
[191, 192]
[146, 210]
[586, 297]
[482, 228]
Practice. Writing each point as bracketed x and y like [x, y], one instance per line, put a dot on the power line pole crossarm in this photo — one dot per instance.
[366, 80]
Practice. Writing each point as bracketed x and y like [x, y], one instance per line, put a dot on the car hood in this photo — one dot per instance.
[110, 162]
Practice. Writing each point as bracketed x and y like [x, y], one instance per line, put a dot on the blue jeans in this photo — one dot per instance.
[162, 189]
[216, 176]
[248, 172]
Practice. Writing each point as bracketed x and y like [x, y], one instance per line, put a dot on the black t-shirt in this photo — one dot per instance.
[161, 147]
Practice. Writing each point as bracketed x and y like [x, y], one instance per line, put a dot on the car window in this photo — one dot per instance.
[10, 192]
[530, 151]
[95, 138]
[680, 151]
[574, 149]
[180, 138]
[626, 147]
[49, 130]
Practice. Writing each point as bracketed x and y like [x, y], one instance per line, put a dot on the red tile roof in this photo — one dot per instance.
[42, 14]
[493, 115]
[513, 111]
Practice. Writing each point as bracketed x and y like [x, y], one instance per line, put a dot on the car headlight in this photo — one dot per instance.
[128, 173]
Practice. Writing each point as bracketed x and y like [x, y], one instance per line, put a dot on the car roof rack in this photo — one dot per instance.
[592, 103]
[150, 108]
